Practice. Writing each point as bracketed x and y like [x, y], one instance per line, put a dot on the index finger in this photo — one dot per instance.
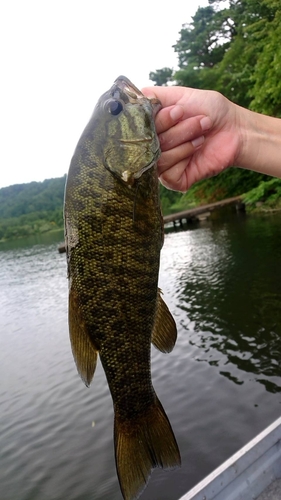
[167, 95]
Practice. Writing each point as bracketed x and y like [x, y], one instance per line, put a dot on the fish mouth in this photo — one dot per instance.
[123, 85]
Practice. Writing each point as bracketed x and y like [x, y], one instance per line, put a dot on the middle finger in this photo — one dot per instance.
[184, 131]
[176, 155]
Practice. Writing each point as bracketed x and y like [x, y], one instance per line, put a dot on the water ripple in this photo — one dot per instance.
[220, 385]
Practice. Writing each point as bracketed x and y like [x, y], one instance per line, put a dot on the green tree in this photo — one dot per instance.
[161, 76]
[203, 42]
[202, 45]
[233, 48]
[239, 63]
[266, 78]
[31, 208]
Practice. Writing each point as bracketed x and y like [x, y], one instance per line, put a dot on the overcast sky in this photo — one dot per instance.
[58, 57]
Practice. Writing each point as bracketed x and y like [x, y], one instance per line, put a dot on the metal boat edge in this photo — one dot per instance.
[246, 474]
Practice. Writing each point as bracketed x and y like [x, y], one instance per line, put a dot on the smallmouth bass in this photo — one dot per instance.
[114, 234]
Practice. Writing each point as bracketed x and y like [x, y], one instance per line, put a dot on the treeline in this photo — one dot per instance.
[235, 50]
[37, 207]
[31, 208]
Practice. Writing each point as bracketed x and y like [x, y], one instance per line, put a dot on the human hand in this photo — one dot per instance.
[198, 132]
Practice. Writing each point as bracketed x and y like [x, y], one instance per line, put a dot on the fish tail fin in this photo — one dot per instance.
[142, 445]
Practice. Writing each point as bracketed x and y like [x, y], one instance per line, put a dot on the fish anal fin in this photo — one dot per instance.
[164, 333]
[142, 445]
[84, 353]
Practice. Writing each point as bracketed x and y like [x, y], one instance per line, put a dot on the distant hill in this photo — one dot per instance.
[22, 199]
[37, 207]
[31, 208]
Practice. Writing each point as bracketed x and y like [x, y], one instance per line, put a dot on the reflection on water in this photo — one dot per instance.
[220, 386]
[230, 290]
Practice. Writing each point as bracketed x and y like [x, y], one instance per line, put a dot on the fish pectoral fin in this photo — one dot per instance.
[84, 353]
[142, 444]
[164, 334]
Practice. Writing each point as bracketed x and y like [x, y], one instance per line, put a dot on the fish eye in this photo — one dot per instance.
[115, 107]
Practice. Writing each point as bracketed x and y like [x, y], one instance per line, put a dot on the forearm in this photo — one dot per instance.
[260, 143]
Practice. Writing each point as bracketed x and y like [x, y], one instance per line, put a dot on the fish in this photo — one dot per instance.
[114, 235]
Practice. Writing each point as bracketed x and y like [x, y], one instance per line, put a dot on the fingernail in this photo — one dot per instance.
[197, 142]
[205, 123]
[176, 112]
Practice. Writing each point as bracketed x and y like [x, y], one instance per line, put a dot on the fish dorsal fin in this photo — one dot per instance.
[84, 353]
[164, 333]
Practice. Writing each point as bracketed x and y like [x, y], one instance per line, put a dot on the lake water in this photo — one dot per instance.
[220, 386]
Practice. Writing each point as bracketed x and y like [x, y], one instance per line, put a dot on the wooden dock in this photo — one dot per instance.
[194, 213]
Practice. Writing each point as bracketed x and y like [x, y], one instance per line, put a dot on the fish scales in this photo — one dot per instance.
[114, 234]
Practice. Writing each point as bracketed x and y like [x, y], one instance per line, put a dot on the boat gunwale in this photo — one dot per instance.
[252, 469]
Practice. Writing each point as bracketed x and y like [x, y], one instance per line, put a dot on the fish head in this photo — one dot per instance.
[128, 140]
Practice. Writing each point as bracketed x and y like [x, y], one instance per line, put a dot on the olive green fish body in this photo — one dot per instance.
[114, 234]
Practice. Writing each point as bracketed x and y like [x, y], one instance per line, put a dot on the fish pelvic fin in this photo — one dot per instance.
[164, 334]
[84, 353]
[142, 445]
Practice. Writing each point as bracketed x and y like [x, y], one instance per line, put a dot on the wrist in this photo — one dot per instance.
[259, 142]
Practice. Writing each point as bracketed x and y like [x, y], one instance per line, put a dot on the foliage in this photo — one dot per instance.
[203, 42]
[22, 199]
[31, 208]
[267, 192]
[172, 201]
[161, 76]
[266, 78]
[233, 47]
[231, 182]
